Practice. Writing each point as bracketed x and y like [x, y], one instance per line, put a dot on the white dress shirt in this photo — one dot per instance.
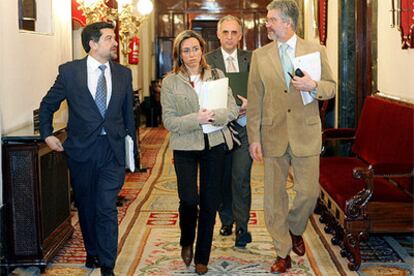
[234, 56]
[93, 74]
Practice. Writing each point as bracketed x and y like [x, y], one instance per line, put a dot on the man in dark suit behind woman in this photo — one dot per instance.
[100, 103]
[236, 191]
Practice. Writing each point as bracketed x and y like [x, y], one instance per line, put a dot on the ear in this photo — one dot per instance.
[92, 44]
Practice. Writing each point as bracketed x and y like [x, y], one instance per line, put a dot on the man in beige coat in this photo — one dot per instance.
[285, 130]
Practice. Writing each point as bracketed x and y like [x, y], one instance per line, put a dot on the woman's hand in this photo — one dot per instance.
[205, 116]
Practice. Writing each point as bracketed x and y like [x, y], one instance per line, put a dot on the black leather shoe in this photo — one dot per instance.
[242, 238]
[106, 271]
[226, 230]
[92, 262]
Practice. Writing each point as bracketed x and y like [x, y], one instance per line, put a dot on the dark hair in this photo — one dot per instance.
[93, 32]
[178, 64]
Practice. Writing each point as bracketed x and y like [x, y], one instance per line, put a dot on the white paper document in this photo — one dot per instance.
[311, 63]
[213, 95]
[129, 153]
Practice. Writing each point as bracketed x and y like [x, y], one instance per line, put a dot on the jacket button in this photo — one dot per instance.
[288, 110]
[285, 91]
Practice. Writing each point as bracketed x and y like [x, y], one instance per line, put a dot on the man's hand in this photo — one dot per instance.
[243, 107]
[54, 143]
[255, 150]
[306, 83]
[205, 116]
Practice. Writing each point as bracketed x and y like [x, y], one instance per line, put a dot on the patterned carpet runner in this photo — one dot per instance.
[149, 233]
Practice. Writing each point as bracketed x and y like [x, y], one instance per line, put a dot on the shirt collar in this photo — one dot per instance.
[226, 55]
[291, 42]
[93, 64]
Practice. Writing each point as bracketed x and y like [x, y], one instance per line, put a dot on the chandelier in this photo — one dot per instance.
[130, 15]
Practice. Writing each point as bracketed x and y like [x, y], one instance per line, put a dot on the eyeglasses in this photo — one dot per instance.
[270, 20]
[187, 51]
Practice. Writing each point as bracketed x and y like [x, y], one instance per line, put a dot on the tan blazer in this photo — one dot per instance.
[277, 117]
[179, 113]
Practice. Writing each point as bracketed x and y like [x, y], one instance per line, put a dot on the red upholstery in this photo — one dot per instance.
[385, 132]
[337, 180]
[385, 138]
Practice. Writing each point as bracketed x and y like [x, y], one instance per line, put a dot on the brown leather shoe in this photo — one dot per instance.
[201, 269]
[281, 265]
[298, 245]
[187, 254]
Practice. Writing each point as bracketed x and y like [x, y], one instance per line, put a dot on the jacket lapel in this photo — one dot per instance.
[82, 77]
[273, 54]
[300, 48]
[219, 60]
[243, 61]
[116, 79]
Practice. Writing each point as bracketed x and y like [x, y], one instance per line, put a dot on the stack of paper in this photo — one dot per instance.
[213, 95]
[311, 63]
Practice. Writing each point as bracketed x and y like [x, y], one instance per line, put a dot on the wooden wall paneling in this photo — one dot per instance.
[175, 16]
[171, 5]
[250, 29]
[255, 4]
[179, 23]
[165, 24]
[214, 5]
[262, 38]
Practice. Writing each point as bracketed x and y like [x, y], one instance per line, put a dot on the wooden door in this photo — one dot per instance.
[208, 30]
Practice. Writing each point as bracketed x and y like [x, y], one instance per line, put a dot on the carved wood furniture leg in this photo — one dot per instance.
[351, 243]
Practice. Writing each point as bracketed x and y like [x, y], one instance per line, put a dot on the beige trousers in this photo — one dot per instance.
[279, 218]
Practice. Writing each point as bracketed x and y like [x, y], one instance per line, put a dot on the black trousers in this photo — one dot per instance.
[211, 166]
[96, 184]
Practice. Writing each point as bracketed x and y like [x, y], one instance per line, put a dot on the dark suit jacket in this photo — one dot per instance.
[85, 121]
[216, 60]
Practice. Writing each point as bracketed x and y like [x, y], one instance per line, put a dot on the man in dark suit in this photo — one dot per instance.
[99, 97]
[236, 193]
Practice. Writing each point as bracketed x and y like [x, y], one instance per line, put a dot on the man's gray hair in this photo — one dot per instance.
[229, 18]
[289, 10]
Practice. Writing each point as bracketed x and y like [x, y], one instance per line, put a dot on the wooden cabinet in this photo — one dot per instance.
[36, 212]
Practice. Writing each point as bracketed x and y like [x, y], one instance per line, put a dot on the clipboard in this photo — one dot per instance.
[238, 84]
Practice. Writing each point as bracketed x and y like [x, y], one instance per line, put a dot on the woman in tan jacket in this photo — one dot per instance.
[199, 139]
